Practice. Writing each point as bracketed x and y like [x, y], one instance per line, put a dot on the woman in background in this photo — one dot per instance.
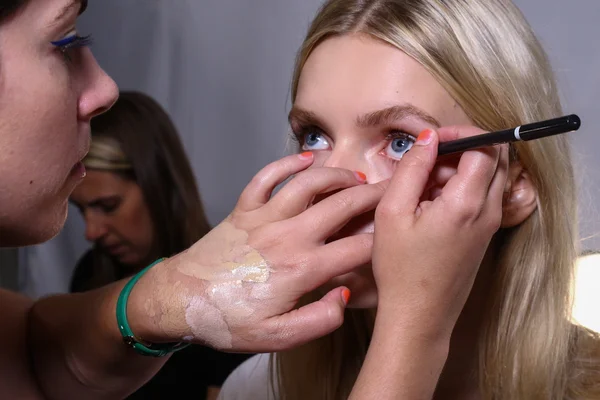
[140, 202]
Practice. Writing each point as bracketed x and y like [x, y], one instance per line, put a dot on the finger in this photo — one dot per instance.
[442, 172]
[329, 215]
[449, 133]
[309, 322]
[296, 195]
[496, 191]
[411, 177]
[446, 165]
[259, 190]
[467, 191]
[338, 258]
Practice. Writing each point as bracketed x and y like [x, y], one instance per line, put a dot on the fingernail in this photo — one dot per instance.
[360, 176]
[307, 155]
[424, 138]
[346, 296]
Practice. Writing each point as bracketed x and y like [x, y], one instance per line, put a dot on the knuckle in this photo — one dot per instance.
[299, 263]
[494, 221]
[304, 180]
[335, 315]
[270, 168]
[382, 186]
[345, 176]
[385, 211]
[416, 160]
[280, 336]
[343, 200]
[259, 180]
[467, 209]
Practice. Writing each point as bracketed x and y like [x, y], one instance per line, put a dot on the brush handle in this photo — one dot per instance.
[525, 132]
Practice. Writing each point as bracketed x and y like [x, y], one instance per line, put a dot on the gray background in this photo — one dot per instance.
[222, 69]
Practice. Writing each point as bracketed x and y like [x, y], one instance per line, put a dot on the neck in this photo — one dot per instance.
[460, 377]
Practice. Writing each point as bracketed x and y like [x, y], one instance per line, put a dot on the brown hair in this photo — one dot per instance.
[9, 7]
[137, 140]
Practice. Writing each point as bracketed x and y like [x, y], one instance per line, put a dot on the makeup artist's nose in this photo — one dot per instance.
[98, 90]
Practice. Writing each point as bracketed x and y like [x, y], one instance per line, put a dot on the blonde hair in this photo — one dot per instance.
[106, 154]
[487, 57]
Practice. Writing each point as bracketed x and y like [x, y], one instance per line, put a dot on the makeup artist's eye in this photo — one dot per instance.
[314, 140]
[400, 143]
[70, 42]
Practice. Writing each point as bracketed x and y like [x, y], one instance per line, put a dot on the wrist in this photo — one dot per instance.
[418, 325]
[144, 306]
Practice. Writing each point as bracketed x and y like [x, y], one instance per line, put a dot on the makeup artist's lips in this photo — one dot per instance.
[78, 171]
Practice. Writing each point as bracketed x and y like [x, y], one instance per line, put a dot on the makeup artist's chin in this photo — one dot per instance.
[51, 222]
[59, 208]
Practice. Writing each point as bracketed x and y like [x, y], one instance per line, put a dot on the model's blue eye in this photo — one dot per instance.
[400, 143]
[314, 141]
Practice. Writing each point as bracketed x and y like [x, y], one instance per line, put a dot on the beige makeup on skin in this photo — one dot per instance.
[225, 301]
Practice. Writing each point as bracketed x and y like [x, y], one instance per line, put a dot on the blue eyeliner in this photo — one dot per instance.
[72, 42]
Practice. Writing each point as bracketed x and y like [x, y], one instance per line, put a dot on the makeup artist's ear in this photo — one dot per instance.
[520, 196]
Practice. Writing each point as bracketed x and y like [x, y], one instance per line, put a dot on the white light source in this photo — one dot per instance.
[586, 307]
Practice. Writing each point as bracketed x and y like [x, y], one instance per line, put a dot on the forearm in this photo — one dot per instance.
[77, 350]
[400, 364]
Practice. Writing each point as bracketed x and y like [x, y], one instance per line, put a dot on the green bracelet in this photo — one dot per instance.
[146, 349]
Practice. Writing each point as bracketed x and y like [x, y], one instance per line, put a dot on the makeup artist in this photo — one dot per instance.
[232, 290]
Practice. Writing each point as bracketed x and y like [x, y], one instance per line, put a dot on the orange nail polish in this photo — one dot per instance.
[346, 296]
[424, 137]
[306, 155]
[360, 176]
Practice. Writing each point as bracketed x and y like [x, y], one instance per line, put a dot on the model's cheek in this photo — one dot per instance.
[379, 168]
[320, 158]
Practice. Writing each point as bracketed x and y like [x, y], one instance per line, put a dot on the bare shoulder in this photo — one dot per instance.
[250, 380]
[16, 380]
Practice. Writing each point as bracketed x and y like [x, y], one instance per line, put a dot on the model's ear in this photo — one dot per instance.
[520, 196]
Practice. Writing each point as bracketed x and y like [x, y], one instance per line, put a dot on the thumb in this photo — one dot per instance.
[309, 322]
[411, 175]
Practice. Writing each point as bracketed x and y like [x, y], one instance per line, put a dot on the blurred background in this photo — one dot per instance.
[222, 69]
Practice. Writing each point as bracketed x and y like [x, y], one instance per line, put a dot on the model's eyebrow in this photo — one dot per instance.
[384, 116]
[303, 117]
[394, 113]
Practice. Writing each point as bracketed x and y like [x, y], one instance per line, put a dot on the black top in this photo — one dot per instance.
[188, 373]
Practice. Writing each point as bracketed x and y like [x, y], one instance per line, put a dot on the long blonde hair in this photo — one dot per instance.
[486, 56]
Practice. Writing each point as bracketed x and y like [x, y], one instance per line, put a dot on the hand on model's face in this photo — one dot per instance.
[48, 96]
[360, 105]
[235, 289]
